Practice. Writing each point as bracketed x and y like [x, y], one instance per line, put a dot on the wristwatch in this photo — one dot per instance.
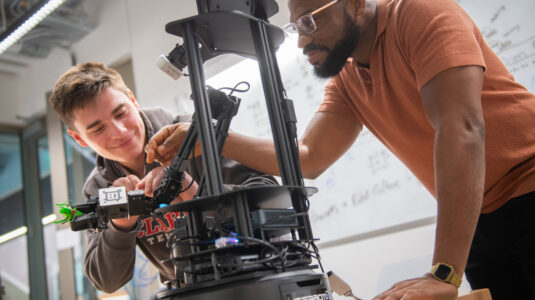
[445, 273]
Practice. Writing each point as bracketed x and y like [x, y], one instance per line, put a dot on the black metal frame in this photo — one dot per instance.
[217, 30]
[240, 33]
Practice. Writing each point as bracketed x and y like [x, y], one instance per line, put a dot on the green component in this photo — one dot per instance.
[68, 212]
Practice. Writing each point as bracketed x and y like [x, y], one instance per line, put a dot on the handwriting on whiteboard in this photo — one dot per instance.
[509, 29]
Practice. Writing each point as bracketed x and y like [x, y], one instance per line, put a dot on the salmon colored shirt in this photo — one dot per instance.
[416, 40]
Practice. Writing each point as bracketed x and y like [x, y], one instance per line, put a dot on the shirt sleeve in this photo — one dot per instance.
[436, 36]
[110, 255]
[335, 100]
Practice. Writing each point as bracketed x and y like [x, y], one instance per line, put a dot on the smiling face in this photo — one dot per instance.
[112, 126]
[334, 40]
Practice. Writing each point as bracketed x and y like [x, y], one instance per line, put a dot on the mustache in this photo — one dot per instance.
[312, 46]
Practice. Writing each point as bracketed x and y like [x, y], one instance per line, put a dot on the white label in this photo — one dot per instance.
[112, 196]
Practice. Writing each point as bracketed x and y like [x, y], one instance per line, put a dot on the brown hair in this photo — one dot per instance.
[82, 84]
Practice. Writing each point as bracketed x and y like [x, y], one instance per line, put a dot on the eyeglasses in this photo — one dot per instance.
[305, 24]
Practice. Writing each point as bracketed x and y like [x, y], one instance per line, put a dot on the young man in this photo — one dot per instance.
[102, 113]
[419, 75]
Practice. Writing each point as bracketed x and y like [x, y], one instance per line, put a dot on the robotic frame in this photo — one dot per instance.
[252, 243]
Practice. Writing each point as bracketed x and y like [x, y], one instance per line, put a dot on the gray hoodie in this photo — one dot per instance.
[110, 256]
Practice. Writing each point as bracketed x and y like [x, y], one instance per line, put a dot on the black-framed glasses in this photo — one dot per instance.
[305, 24]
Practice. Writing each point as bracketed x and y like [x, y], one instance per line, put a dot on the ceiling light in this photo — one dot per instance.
[28, 24]
[22, 230]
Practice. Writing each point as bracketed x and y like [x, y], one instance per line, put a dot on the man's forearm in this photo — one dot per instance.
[459, 175]
[258, 154]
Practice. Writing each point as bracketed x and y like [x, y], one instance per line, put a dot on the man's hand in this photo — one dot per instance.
[129, 182]
[190, 192]
[163, 146]
[151, 181]
[422, 288]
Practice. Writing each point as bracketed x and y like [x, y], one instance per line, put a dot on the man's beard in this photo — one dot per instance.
[342, 50]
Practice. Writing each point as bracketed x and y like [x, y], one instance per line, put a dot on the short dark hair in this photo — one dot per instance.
[82, 84]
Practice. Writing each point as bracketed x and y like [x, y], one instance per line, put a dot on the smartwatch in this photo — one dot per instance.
[445, 273]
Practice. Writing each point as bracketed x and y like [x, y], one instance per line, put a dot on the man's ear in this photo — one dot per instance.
[77, 138]
[133, 99]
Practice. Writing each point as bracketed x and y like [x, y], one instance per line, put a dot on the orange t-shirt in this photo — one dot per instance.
[416, 40]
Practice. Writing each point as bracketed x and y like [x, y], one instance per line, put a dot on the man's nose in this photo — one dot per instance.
[303, 40]
[119, 128]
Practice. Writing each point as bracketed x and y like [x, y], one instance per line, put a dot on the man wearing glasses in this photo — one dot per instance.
[419, 75]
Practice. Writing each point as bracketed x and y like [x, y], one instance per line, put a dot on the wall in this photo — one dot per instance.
[39, 79]
[8, 97]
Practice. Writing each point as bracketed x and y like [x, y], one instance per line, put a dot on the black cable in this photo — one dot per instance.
[187, 188]
[170, 240]
[290, 259]
[235, 88]
[307, 206]
[261, 242]
[318, 257]
[283, 260]
[277, 256]
[282, 255]
[196, 173]
[256, 262]
[194, 168]
[175, 243]
[257, 241]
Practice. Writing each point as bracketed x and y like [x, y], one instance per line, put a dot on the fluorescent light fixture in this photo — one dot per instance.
[30, 23]
[13, 234]
[48, 219]
[22, 230]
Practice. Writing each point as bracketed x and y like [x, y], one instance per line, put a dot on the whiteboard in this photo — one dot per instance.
[509, 28]
[368, 188]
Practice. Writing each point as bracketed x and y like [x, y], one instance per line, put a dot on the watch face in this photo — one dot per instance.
[442, 272]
